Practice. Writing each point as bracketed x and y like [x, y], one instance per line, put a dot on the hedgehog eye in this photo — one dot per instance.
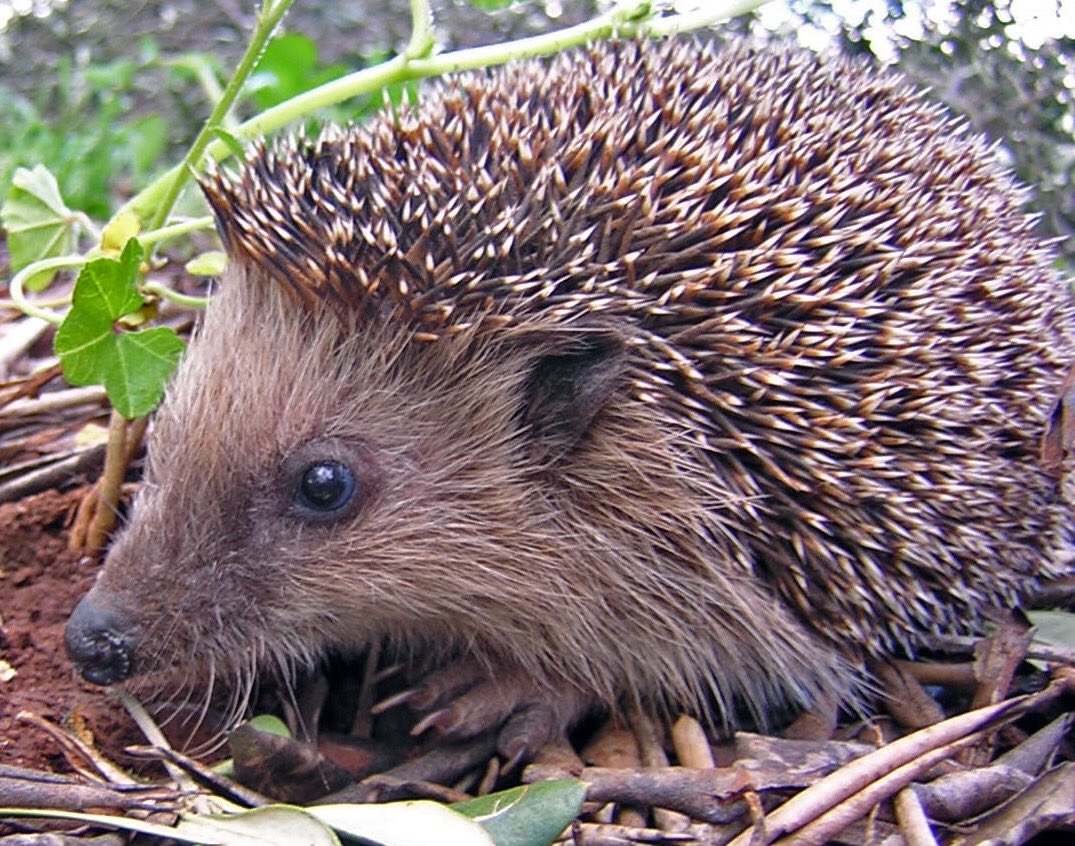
[325, 487]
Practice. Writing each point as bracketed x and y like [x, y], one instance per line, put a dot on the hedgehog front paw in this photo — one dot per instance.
[463, 700]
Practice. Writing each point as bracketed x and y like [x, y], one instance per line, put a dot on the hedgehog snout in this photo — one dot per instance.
[100, 641]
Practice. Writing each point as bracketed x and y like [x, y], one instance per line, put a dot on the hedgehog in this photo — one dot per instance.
[656, 373]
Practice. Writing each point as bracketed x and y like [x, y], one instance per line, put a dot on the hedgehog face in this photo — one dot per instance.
[315, 485]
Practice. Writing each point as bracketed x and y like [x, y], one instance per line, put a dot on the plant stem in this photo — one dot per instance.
[622, 20]
[422, 41]
[18, 281]
[104, 517]
[174, 230]
[160, 290]
[174, 180]
[690, 21]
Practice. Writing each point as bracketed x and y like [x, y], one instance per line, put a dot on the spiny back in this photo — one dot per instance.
[824, 282]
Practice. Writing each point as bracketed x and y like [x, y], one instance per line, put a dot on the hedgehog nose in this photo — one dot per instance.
[97, 642]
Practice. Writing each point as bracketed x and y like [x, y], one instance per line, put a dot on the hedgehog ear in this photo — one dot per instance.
[567, 388]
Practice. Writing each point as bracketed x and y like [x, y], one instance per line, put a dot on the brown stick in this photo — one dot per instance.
[888, 766]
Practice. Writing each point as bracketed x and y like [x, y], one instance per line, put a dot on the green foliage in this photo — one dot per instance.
[270, 724]
[39, 225]
[1053, 628]
[94, 349]
[490, 5]
[290, 66]
[233, 143]
[79, 129]
[500, 819]
[531, 815]
[210, 263]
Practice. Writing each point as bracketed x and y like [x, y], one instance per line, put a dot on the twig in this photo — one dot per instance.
[56, 470]
[959, 676]
[74, 746]
[220, 785]
[17, 339]
[912, 819]
[707, 795]
[154, 735]
[608, 834]
[691, 744]
[54, 401]
[905, 698]
[651, 751]
[615, 747]
[859, 775]
[824, 827]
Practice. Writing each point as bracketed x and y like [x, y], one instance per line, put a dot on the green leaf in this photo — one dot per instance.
[147, 142]
[1054, 628]
[231, 141]
[134, 367]
[39, 225]
[288, 67]
[81, 343]
[270, 724]
[107, 287]
[490, 5]
[209, 263]
[273, 825]
[531, 815]
[418, 823]
[139, 369]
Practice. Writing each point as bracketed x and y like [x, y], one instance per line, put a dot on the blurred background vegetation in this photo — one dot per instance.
[105, 93]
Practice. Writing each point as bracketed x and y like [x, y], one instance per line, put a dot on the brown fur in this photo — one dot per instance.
[666, 373]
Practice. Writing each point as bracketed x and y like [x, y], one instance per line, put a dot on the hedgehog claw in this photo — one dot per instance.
[444, 686]
[395, 700]
[467, 702]
[443, 720]
[526, 732]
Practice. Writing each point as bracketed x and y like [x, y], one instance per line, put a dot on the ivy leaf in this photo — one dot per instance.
[531, 815]
[134, 367]
[39, 225]
[106, 287]
[140, 368]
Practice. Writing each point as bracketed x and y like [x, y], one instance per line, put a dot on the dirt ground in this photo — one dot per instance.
[40, 582]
